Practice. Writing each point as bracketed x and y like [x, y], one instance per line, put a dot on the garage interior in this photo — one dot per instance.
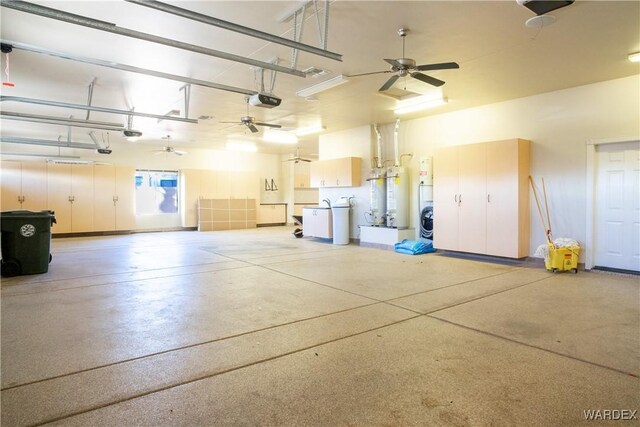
[178, 293]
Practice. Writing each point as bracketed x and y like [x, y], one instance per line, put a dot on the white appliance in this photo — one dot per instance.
[340, 211]
[397, 197]
[425, 198]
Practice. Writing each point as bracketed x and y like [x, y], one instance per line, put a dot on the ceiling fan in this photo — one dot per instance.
[297, 158]
[169, 149]
[407, 66]
[251, 123]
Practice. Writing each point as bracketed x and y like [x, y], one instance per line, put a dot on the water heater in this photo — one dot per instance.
[378, 195]
[397, 197]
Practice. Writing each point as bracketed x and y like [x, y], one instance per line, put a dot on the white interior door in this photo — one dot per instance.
[617, 201]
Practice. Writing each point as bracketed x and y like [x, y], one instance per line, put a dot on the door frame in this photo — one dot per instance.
[589, 255]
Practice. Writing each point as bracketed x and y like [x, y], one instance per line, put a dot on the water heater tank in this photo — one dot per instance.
[378, 195]
[397, 197]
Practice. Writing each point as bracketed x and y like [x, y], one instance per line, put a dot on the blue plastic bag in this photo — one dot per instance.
[414, 247]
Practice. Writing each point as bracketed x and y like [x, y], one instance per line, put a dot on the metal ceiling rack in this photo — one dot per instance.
[4, 98]
[52, 143]
[63, 121]
[295, 44]
[71, 18]
[124, 67]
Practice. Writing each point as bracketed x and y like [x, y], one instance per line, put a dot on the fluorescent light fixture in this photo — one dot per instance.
[241, 146]
[322, 86]
[279, 137]
[309, 130]
[634, 57]
[418, 103]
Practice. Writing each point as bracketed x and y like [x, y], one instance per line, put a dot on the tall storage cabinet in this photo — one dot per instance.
[22, 187]
[481, 198]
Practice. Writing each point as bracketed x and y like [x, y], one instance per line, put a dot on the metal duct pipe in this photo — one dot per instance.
[379, 147]
[32, 141]
[62, 121]
[174, 10]
[396, 156]
[71, 18]
[92, 108]
[124, 67]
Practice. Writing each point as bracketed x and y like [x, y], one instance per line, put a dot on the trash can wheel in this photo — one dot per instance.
[9, 268]
[50, 258]
[575, 271]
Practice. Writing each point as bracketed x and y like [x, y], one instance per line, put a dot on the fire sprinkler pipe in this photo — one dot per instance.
[109, 27]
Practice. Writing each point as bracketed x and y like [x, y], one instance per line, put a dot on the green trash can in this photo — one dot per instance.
[26, 242]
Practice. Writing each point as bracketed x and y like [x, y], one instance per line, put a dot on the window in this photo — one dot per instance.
[156, 192]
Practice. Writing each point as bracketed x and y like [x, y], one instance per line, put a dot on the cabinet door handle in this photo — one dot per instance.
[459, 199]
[488, 198]
[455, 198]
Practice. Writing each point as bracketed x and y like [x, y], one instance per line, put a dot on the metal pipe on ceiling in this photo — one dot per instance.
[4, 98]
[33, 141]
[71, 18]
[124, 67]
[63, 121]
[195, 16]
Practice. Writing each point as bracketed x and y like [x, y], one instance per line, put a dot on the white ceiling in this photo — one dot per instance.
[500, 59]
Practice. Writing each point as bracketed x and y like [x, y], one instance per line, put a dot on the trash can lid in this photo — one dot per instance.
[28, 214]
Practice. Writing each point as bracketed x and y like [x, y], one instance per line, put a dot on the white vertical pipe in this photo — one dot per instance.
[379, 147]
[396, 156]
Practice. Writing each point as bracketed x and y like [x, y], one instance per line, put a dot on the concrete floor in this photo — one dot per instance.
[256, 327]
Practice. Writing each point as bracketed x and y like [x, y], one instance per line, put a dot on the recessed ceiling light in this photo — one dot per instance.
[241, 146]
[279, 136]
[322, 86]
[634, 57]
[418, 104]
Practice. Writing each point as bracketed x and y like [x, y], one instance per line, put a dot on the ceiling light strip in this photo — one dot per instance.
[174, 10]
[71, 18]
[93, 108]
[124, 67]
[322, 86]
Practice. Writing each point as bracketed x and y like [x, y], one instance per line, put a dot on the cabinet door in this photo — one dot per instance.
[34, 192]
[280, 214]
[347, 172]
[82, 193]
[301, 175]
[507, 198]
[190, 185]
[472, 194]
[309, 222]
[445, 198]
[125, 192]
[11, 186]
[58, 194]
[316, 174]
[104, 192]
[264, 214]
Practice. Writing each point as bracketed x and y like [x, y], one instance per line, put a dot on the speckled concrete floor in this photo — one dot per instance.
[259, 328]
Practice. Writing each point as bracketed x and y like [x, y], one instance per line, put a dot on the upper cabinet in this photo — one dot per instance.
[482, 198]
[301, 177]
[342, 172]
[22, 187]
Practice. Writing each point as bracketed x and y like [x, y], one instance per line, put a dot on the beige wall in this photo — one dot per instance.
[559, 124]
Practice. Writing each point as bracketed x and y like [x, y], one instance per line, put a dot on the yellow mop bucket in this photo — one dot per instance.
[561, 259]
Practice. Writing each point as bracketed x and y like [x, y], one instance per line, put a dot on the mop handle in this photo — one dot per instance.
[535, 196]
[546, 206]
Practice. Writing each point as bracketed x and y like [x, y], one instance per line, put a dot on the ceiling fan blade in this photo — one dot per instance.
[442, 66]
[252, 128]
[179, 153]
[268, 125]
[368, 74]
[234, 123]
[304, 160]
[389, 83]
[394, 63]
[427, 79]
[159, 152]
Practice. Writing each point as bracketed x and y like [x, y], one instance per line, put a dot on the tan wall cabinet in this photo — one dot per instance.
[342, 172]
[23, 186]
[301, 177]
[113, 200]
[70, 196]
[272, 214]
[481, 199]
[317, 222]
